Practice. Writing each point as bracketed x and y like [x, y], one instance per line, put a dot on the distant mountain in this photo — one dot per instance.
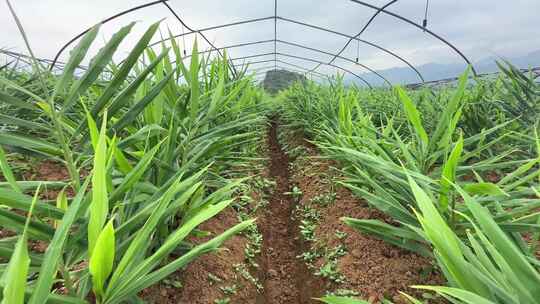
[436, 71]
[277, 80]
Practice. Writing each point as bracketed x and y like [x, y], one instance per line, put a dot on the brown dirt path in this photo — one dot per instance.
[286, 279]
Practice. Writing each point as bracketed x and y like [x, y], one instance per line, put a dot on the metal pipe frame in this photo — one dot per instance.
[443, 40]
[276, 17]
[360, 33]
[259, 73]
[364, 28]
[357, 39]
[304, 69]
[331, 65]
[306, 48]
[336, 56]
[27, 60]
[215, 27]
[235, 46]
[192, 31]
[63, 48]
[202, 35]
[385, 50]
[308, 59]
[164, 2]
[270, 68]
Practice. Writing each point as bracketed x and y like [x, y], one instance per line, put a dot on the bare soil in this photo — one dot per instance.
[372, 268]
[46, 170]
[285, 278]
[204, 279]
[49, 170]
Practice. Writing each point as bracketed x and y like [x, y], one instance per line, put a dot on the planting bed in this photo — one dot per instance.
[353, 264]
[156, 181]
[365, 267]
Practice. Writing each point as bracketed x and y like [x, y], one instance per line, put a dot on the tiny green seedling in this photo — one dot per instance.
[296, 193]
[222, 301]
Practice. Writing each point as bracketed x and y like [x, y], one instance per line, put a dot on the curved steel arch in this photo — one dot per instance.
[233, 46]
[419, 27]
[202, 35]
[269, 68]
[303, 47]
[63, 48]
[298, 68]
[307, 59]
[364, 28]
[336, 56]
[275, 17]
[304, 69]
[357, 39]
[332, 65]
[215, 27]
[164, 2]
[360, 33]
[385, 50]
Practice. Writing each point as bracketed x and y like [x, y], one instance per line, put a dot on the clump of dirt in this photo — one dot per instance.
[373, 269]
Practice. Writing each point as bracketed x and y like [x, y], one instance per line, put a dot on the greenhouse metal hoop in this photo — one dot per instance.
[360, 33]
[275, 41]
[298, 23]
[296, 45]
[304, 69]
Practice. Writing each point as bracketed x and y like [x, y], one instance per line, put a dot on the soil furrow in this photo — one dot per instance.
[285, 278]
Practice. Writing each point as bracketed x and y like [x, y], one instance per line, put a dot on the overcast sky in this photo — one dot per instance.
[480, 28]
